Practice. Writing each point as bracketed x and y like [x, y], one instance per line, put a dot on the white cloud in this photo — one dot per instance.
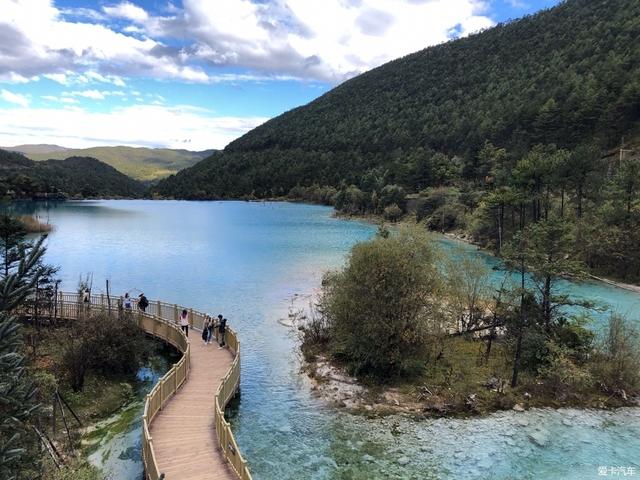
[53, 98]
[60, 78]
[326, 40]
[138, 125]
[15, 98]
[127, 10]
[12, 77]
[94, 94]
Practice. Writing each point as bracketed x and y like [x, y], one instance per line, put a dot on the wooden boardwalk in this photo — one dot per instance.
[184, 436]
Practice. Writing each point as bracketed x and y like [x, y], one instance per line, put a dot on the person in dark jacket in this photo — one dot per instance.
[222, 328]
[143, 303]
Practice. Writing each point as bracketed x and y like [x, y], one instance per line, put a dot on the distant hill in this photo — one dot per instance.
[567, 75]
[37, 148]
[84, 177]
[144, 164]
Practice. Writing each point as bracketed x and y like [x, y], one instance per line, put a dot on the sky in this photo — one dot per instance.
[196, 74]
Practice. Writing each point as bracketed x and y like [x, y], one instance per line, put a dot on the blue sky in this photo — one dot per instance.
[198, 73]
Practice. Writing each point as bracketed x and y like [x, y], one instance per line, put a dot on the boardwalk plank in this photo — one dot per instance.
[183, 433]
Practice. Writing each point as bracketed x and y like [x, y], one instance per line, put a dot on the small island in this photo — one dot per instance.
[406, 327]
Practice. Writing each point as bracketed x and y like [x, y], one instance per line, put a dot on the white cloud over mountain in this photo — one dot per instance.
[137, 125]
[327, 40]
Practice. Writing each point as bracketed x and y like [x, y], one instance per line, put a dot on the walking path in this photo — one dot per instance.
[184, 438]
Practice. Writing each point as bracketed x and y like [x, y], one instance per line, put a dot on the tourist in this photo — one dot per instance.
[222, 327]
[86, 296]
[143, 303]
[210, 331]
[206, 330]
[127, 301]
[184, 322]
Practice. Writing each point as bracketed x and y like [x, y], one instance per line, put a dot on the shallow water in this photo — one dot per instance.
[247, 260]
[114, 444]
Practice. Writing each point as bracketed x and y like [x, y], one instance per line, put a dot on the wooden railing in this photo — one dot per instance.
[161, 321]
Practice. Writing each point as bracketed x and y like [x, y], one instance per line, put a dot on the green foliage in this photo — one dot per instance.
[562, 374]
[75, 176]
[18, 402]
[105, 344]
[380, 308]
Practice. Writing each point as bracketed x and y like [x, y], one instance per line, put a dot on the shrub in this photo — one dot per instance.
[392, 195]
[380, 308]
[617, 365]
[392, 213]
[104, 343]
[562, 373]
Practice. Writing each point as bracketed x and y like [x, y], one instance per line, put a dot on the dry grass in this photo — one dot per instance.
[33, 225]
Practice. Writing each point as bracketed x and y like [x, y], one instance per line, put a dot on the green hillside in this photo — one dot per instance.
[84, 177]
[567, 75]
[144, 164]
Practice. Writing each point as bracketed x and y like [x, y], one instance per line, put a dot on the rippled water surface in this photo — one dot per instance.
[247, 260]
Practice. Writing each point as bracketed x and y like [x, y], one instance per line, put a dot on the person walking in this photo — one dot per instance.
[143, 303]
[210, 331]
[206, 330]
[184, 322]
[127, 301]
[222, 328]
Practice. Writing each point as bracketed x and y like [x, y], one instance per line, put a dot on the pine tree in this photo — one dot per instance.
[17, 393]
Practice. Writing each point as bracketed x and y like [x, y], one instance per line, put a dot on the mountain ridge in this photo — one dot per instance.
[140, 163]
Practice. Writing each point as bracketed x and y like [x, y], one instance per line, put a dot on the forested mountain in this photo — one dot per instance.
[566, 76]
[21, 177]
[143, 164]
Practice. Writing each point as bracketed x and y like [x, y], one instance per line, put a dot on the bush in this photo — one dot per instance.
[392, 195]
[104, 343]
[315, 333]
[393, 213]
[562, 373]
[617, 365]
[380, 308]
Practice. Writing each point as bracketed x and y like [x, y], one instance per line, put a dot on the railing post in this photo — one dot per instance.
[61, 306]
[175, 313]
[158, 311]
[191, 318]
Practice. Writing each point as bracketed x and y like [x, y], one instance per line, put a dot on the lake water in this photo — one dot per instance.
[247, 261]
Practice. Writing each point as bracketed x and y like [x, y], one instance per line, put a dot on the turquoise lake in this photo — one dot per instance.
[247, 261]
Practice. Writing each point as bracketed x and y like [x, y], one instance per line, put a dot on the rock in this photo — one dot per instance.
[403, 461]
[567, 422]
[540, 438]
[368, 458]
[368, 408]
[527, 396]
[518, 408]
[492, 384]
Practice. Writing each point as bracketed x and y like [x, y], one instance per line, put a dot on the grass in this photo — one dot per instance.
[33, 225]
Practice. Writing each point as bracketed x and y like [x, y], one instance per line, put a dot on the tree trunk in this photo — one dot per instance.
[518, 352]
[546, 303]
